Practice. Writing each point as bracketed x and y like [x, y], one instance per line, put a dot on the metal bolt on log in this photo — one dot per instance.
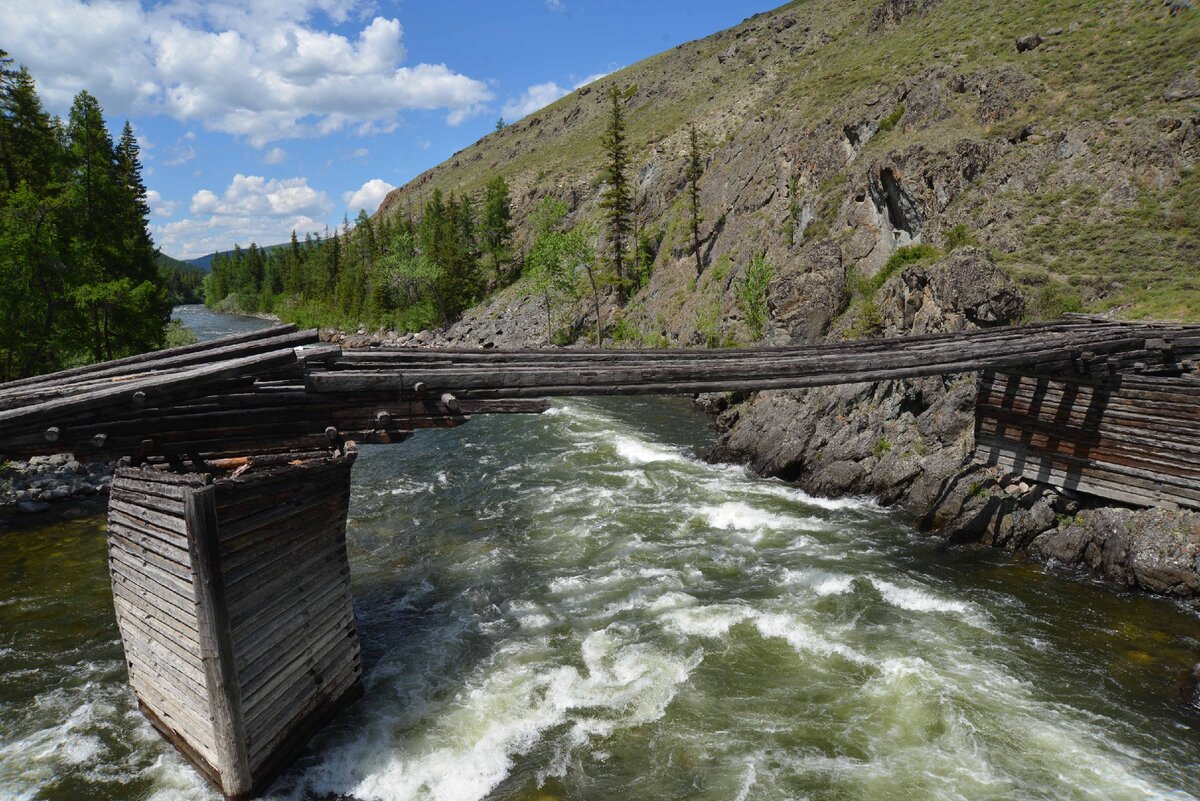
[52, 434]
[331, 432]
[382, 419]
[98, 440]
[450, 402]
[139, 398]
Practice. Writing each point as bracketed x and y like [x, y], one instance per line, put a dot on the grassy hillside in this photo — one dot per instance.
[836, 133]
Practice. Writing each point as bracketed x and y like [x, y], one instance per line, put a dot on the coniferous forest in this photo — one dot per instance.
[78, 277]
[390, 271]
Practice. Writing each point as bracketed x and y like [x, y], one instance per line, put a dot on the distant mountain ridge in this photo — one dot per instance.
[205, 262]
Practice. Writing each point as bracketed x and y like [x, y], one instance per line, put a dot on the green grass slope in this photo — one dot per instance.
[1073, 164]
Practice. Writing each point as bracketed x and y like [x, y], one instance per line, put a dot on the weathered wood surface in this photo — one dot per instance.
[144, 361]
[290, 614]
[1132, 439]
[260, 394]
[161, 609]
[232, 594]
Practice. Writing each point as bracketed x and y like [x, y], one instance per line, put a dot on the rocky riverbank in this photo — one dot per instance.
[906, 443]
[32, 486]
[910, 444]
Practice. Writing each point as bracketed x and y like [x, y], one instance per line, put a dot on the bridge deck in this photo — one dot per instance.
[280, 390]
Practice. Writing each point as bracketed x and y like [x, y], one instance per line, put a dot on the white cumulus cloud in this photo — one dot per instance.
[261, 70]
[535, 97]
[368, 196]
[275, 155]
[159, 206]
[251, 209]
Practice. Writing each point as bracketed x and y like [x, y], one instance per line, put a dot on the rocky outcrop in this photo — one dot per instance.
[807, 295]
[910, 443]
[1154, 549]
[964, 291]
[892, 439]
[893, 12]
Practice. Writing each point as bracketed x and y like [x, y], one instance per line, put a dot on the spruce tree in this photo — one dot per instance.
[497, 225]
[29, 149]
[144, 311]
[93, 199]
[616, 201]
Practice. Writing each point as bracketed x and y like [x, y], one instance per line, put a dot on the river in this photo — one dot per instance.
[576, 606]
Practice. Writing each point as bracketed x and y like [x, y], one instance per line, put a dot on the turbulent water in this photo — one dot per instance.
[574, 606]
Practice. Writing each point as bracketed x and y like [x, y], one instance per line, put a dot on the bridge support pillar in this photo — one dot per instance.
[232, 595]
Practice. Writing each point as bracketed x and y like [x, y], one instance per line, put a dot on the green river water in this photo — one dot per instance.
[575, 606]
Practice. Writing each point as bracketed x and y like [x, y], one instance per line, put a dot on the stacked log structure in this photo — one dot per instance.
[1133, 439]
[232, 594]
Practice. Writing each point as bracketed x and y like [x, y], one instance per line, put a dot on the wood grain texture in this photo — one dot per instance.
[1129, 439]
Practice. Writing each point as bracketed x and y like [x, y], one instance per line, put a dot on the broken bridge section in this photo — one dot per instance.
[227, 540]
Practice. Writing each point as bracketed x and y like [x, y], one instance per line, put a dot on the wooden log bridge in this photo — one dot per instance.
[227, 517]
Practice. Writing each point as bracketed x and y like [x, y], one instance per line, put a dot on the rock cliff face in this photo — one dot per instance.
[1032, 157]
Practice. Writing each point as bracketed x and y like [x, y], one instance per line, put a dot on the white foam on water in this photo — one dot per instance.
[834, 585]
[803, 638]
[821, 582]
[637, 451]
[991, 734]
[712, 621]
[753, 523]
[748, 781]
[915, 599]
[81, 722]
[645, 602]
[409, 488]
[469, 747]
[746, 482]
[529, 616]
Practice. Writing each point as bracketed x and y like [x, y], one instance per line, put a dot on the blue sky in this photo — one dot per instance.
[257, 118]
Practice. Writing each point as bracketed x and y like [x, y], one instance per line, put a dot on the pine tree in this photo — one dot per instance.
[695, 167]
[616, 200]
[93, 195]
[32, 271]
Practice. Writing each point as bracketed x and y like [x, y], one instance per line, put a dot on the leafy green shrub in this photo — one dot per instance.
[177, 334]
[752, 295]
[1053, 300]
[889, 122]
[869, 322]
[960, 236]
[708, 324]
[882, 446]
[866, 286]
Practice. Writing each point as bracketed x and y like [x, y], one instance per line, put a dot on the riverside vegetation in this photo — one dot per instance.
[79, 280]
